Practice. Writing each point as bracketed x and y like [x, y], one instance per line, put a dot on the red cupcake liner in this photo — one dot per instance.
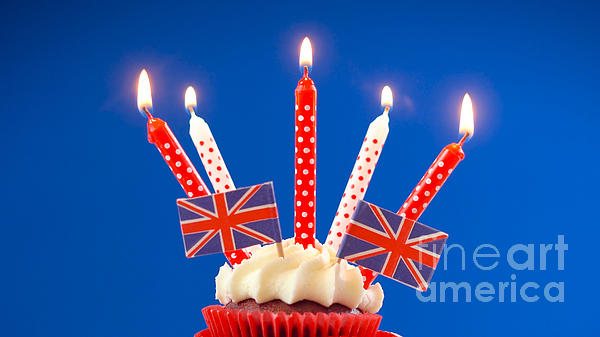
[203, 333]
[223, 322]
[379, 334]
[206, 333]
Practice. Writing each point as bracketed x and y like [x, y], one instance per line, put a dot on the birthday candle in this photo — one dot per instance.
[211, 159]
[305, 152]
[207, 147]
[362, 172]
[436, 175]
[442, 167]
[161, 135]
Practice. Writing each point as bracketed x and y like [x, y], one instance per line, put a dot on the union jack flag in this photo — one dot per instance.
[392, 245]
[228, 221]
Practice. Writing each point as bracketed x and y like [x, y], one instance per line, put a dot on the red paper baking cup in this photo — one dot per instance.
[206, 333]
[379, 334]
[223, 322]
[203, 333]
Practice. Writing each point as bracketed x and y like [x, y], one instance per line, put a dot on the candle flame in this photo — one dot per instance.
[306, 53]
[387, 98]
[466, 117]
[144, 97]
[190, 98]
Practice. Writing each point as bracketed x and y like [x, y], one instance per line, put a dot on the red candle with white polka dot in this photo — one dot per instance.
[432, 181]
[442, 167]
[306, 152]
[161, 135]
[362, 172]
[436, 175]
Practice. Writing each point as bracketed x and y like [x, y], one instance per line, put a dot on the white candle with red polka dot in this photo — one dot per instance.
[305, 158]
[209, 154]
[362, 172]
[435, 177]
[211, 159]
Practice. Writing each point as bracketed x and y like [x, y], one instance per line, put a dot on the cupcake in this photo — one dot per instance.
[307, 293]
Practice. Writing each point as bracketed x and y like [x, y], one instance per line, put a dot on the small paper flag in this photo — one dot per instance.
[228, 221]
[399, 248]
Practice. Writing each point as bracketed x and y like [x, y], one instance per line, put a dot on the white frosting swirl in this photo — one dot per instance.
[303, 274]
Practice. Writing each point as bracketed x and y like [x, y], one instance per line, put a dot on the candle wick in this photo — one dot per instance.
[305, 71]
[464, 138]
[386, 109]
[192, 112]
[148, 114]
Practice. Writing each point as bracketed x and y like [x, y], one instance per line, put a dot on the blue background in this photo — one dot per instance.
[91, 244]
